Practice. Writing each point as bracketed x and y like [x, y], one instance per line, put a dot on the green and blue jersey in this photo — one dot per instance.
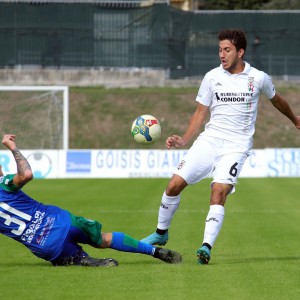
[41, 228]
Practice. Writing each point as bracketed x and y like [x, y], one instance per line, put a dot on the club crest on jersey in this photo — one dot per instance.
[251, 84]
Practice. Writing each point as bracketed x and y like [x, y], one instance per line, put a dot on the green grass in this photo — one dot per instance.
[255, 257]
[101, 118]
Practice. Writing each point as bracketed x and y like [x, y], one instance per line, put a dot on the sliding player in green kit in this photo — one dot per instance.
[54, 234]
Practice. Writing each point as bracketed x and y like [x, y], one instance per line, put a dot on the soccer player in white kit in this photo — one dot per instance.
[230, 93]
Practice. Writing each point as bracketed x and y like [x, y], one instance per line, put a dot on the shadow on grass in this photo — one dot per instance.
[47, 265]
[154, 262]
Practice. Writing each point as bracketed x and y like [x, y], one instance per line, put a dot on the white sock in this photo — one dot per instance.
[167, 210]
[213, 224]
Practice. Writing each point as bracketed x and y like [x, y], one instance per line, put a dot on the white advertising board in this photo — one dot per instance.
[44, 163]
[102, 163]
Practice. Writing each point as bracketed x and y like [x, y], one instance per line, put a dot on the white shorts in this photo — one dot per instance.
[213, 157]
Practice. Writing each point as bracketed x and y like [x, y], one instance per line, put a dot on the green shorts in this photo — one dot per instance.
[91, 228]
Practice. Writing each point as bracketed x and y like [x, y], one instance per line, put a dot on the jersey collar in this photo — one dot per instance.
[246, 69]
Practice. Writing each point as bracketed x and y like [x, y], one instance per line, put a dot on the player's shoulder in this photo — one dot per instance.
[212, 75]
[262, 80]
[257, 74]
[214, 72]
[6, 183]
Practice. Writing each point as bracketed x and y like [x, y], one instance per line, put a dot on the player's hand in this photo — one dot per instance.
[175, 141]
[297, 124]
[9, 141]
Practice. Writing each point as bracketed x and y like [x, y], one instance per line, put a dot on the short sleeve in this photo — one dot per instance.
[6, 182]
[268, 87]
[204, 93]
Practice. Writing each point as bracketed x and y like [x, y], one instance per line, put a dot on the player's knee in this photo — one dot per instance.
[106, 240]
[174, 188]
[219, 193]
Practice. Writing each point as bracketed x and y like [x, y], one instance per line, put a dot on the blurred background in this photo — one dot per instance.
[178, 37]
[123, 58]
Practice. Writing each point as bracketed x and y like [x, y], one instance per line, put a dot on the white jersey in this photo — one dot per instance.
[233, 101]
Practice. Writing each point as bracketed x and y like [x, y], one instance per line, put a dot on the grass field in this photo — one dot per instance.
[101, 118]
[256, 255]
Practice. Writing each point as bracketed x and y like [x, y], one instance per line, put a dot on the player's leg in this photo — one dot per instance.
[89, 232]
[196, 165]
[227, 170]
[214, 220]
[73, 254]
[125, 243]
[169, 205]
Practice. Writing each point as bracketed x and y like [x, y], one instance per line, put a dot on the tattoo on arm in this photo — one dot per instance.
[21, 161]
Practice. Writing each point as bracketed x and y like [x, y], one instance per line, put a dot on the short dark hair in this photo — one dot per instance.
[235, 36]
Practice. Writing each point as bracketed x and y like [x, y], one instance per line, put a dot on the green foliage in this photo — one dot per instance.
[256, 255]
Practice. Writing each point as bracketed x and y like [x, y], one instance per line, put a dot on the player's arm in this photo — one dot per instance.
[195, 123]
[283, 106]
[24, 172]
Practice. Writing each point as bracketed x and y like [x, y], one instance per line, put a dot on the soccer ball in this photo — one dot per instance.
[145, 129]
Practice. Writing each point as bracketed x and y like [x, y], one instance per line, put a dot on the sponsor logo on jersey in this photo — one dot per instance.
[33, 227]
[234, 97]
[42, 237]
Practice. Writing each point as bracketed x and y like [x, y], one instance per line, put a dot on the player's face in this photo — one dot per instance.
[231, 59]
